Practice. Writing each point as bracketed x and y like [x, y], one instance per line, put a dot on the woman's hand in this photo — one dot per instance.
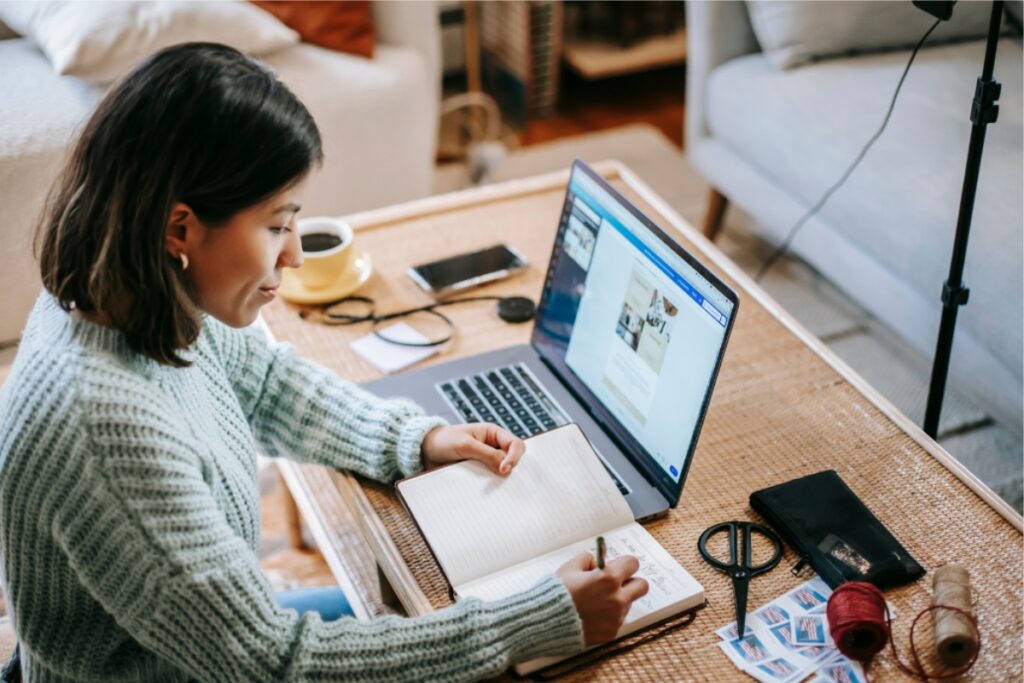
[490, 444]
[602, 596]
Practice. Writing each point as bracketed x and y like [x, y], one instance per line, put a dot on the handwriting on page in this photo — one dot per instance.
[478, 522]
[664, 583]
[669, 582]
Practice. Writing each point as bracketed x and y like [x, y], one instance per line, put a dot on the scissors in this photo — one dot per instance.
[740, 567]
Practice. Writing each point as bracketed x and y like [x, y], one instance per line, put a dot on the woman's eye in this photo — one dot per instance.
[280, 230]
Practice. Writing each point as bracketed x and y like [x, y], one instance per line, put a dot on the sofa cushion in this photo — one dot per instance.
[47, 109]
[345, 26]
[37, 122]
[794, 32]
[102, 41]
[377, 110]
[802, 128]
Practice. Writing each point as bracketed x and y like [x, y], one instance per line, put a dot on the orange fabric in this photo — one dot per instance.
[342, 25]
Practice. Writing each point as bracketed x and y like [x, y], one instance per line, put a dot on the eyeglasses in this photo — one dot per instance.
[353, 310]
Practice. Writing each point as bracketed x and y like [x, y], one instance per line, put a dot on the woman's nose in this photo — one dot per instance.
[291, 255]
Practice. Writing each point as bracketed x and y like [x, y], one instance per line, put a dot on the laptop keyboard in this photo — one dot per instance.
[512, 397]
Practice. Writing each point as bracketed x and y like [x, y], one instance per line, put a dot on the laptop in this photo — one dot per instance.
[628, 340]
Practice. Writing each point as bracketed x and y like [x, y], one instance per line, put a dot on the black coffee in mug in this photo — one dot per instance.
[319, 241]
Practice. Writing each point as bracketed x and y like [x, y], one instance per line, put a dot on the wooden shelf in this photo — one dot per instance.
[593, 60]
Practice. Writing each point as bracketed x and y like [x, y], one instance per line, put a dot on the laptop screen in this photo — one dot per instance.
[638, 323]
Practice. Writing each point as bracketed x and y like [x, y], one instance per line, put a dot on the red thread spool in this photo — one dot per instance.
[856, 616]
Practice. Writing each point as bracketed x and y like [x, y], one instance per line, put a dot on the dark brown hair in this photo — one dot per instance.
[197, 123]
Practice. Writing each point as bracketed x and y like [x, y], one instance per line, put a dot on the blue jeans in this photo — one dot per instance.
[329, 603]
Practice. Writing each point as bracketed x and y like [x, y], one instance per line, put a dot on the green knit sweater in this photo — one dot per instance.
[129, 518]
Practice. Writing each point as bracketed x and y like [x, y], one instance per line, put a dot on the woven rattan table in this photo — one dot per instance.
[784, 406]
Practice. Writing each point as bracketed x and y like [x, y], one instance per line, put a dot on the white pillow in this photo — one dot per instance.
[102, 41]
[794, 32]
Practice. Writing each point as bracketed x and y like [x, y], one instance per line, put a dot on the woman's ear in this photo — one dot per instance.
[182, 230]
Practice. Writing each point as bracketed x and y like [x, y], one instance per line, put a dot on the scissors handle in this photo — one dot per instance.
[772, 538]
[740, 556]
[702, 545]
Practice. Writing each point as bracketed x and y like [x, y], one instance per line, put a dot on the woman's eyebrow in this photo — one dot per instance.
[294, 208]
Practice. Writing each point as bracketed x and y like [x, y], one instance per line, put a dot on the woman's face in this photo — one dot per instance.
[235, 268]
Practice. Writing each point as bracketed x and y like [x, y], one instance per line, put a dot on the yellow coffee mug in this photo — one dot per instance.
[326, 250]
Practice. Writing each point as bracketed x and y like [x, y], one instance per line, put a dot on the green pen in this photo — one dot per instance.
[600, 552]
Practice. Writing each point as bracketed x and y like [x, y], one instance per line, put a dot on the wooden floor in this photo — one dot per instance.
[654, 97]
[285, 566]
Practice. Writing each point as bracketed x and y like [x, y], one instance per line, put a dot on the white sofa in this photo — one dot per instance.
[378, 120]
[773, 140]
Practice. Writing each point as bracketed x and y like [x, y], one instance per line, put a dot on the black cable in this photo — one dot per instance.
[335, 317]
[784, 247]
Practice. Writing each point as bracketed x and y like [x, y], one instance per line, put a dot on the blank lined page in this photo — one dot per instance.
[477, 522]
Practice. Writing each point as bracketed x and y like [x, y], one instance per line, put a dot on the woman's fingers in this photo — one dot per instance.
[635, 588]
[486, 443]
[583, 562]
[511, 447]
[622, 567]
[488, 455]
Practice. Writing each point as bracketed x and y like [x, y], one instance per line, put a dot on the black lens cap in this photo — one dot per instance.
[516, 309]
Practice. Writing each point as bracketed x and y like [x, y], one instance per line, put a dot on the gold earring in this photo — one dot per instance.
[184, 260]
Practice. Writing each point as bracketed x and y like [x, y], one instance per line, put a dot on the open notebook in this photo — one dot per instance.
[495, 536]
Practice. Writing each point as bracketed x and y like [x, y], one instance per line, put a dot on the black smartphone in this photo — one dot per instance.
[468, 270]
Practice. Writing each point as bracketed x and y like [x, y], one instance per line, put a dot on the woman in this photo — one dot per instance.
[129, 424]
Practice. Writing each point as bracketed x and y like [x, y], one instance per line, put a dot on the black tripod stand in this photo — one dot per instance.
[984, 110]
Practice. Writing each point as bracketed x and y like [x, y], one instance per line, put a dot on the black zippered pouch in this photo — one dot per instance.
[829, 527]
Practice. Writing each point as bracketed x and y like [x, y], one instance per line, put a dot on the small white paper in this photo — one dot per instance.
[391, 357]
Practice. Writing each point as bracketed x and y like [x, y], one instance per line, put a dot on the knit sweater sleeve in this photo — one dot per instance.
[300, 409]
[145, 536]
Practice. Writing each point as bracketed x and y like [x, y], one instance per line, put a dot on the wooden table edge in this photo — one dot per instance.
[391, 562]
[295, 481]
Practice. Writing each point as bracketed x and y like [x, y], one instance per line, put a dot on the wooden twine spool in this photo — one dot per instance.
[858, 617]
[956, 637]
